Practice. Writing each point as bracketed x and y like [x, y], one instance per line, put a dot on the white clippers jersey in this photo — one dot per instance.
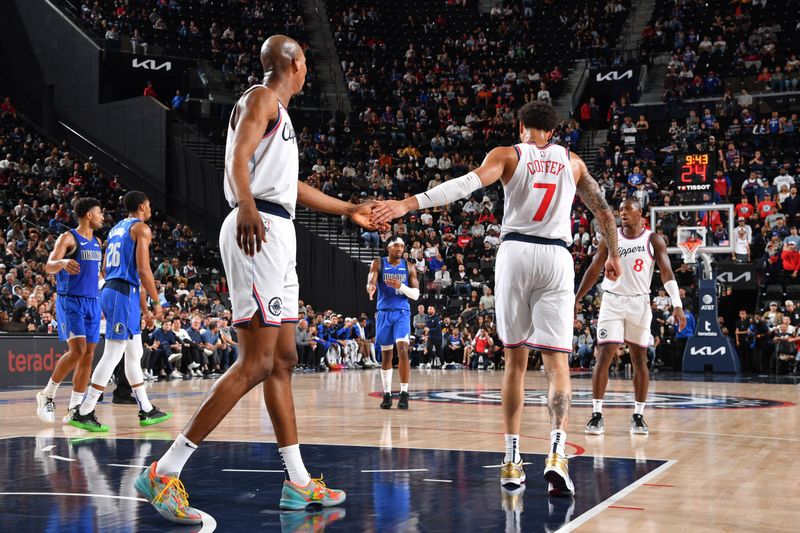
[538, 198]
[637, 266]
[274, 166]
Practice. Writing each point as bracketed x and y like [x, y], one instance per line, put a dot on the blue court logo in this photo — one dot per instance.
[583, 398]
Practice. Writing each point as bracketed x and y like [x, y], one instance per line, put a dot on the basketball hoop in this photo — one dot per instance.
[689, 249]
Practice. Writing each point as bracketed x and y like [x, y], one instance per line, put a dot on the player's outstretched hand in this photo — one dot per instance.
[362, 215]
[613, 268]
[680, 318]
[383, 212]
[250, 232]
[371, 288]
[71, 266]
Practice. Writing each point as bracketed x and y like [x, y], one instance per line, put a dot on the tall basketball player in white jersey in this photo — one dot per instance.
[257, 244]
[625, 313]
[534, 276]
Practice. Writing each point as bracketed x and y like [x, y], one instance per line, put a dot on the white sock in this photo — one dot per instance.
[512, 449]
[293, 465]
[75, 398]
[141, 398]
[386, 378]
[51, 388]
[172, 462]
[92, 395]
[638, 408]
[404, 387]
[597, 406]
[558, 439]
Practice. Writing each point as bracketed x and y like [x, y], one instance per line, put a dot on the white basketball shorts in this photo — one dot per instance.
[535, 300]
[266, 282]
[624, 319]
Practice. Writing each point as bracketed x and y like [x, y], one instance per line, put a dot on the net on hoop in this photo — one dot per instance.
[689, 249]
[690, 240]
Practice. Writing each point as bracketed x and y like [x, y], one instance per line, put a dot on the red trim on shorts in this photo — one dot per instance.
[517, 345]
[275, 127]
[286, 320]
[546, 347]
[260, 305]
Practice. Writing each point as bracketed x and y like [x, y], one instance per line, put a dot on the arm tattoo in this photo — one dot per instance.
[590, 194]
[558, 405]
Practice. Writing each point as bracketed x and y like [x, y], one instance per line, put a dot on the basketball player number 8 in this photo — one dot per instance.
[112, 255]
[549, 192]
[638, 265]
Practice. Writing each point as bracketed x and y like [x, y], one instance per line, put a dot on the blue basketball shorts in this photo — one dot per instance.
[78, 316]
[122, 309]
[393, 325]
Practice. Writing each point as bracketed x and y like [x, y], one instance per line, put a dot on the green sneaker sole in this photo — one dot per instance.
[87, 427]
[154, 421]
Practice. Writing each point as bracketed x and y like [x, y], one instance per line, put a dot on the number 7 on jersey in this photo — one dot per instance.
[549, 192]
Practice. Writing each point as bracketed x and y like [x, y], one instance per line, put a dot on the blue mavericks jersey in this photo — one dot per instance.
[388, 298]
[89, 255]
[121, 253]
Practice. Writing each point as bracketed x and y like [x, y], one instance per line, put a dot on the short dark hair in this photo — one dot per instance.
[632, 200]
[133, 200]
[538, 115]
[84, 205]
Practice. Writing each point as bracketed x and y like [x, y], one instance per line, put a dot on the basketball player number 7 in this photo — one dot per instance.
[549, 192]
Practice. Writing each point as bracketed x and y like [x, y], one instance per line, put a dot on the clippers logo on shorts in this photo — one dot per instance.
[275, 306]
[602, 334]
[119, 328]
[622, 400]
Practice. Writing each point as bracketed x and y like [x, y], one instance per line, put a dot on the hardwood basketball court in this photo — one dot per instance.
[721, 456]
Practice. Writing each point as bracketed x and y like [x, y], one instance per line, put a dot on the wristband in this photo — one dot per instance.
[674, 294]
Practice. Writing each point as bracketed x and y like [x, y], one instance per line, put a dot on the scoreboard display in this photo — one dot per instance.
[694, 175]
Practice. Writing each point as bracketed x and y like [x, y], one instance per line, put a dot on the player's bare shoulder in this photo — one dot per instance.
[579, 168]
[506, 157]
[259, 102]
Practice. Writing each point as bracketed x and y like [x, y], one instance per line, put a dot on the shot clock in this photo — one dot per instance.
[694, 175]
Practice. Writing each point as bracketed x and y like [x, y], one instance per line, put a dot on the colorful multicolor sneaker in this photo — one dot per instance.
[167, 495]
[88, 422]
[305, 522]
[315, 493]
[155, 416]
[45, 408]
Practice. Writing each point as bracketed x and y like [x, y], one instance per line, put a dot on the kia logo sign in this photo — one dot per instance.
[707, 351]
[150, 64]
[614, 75]
[730, 277]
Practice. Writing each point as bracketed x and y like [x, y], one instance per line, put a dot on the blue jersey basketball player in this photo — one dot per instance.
[75, 260]
[396, 282]
[127, 265]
